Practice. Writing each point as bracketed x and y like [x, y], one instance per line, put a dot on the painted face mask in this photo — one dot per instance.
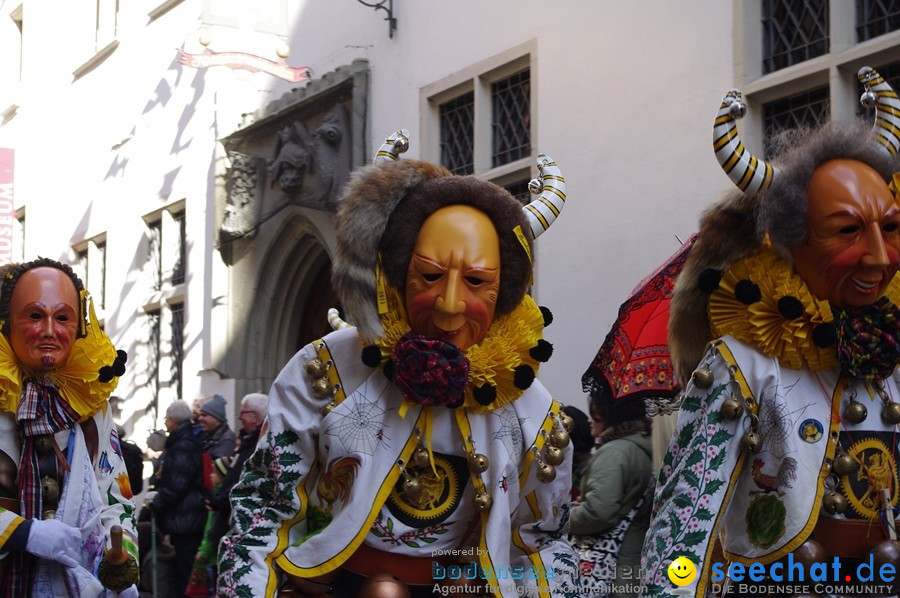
[43, 314]
[454, 276]
[852, 246]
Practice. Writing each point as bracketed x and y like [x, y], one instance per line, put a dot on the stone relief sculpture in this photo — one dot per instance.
[241, 200]
[292, 158]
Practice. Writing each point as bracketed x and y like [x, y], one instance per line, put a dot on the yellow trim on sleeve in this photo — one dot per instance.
[4, 536]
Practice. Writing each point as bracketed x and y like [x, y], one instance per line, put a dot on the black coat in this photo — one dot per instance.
[220, 501]
[180, 495]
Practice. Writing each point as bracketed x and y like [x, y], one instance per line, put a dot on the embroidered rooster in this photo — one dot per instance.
[337, 480]
[787, 474]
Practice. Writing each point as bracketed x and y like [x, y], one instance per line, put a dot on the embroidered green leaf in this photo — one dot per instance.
[243, 592]
[693, 458]
[390, 524]
[690, 404]
[266, 490]
[249, 477]
[242, 551]
[286, 438]
[289, 478]
[660, 545]
[259, 531]
[703, 514]
[241, 571]
[243, 519]
[717, 461]
[682, 501]
[429, 540]
[691, 478]
[411, 544]
[289, 459]
[720, 437]
[713, 486]
[693, 539]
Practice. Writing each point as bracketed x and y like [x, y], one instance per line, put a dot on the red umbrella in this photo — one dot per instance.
[634, 361]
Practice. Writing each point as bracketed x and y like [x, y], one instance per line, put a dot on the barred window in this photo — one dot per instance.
[153, 356]
[177, 347]
[520, 191]
[101, 274]
[178, 269]
[511, 119]
[806, 108]
[457, 121]
[793, 31]
[154, 253]
[876, 17]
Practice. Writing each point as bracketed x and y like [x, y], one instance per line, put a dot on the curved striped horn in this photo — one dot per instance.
[335, 321]
[393, 146]
[883, 98]
[552, 186]
[748, 172]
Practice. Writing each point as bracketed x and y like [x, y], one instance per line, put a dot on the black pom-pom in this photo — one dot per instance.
[523, 376]
[747, 292]
[485, 394]
[121, 356]
[541, 351]
[388, 370]
[106, 374]
[824, 335]
[118, 368]
[709, 279]
[790, 308]
[371, 356]
[548, 316]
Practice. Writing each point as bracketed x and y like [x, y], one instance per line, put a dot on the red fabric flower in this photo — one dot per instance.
[430, 371]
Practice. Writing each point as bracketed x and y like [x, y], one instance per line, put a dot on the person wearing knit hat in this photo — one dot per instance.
[421, 427]
[218, 438]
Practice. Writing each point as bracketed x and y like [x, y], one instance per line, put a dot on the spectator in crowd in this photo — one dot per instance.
[218, 438]
[134, 462]
[179, 500]
[615, 483]
[582, 446]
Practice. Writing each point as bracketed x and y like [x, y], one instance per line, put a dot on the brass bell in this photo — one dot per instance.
[44, 443]
[412, 488]
[887, 552]
[546, 473]
[751, 442]
[559, 438]
[890, 413]
[554, 455]
[809, 553]
[384, 585]
[855, 412]
[702, 378]
[316, 368]
[328, 408]
[844, 464]
[49, 490]
[420, 457]
[732, 408]
[567, 421]
[834, 502]
[483, 501]
[479, 463]
[48, 514]
[322, 388]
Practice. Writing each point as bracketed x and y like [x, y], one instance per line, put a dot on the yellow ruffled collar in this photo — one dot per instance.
[506, 346]
[77, 381]
[761, 323]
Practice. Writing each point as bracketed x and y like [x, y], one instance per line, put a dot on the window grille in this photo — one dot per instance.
[153, 357]
[520, 191]
[177, 346]
[457, 120]
[809, 108]
[178, 269]
[101, 254]
[511, 118]
[154, 253]
[876, 17]
[793, 31]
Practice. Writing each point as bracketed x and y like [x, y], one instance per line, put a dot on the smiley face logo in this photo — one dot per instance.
[682, 571]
